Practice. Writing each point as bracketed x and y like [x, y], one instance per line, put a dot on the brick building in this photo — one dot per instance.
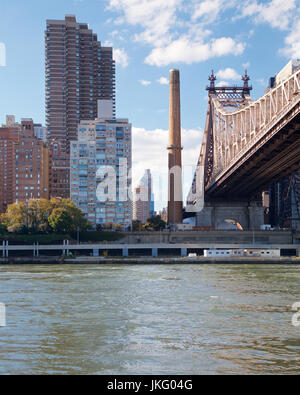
[24, 165]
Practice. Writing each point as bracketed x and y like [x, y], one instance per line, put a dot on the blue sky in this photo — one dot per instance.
[149, 38]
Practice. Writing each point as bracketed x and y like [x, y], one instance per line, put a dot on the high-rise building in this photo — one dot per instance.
[24, 165]
[101, 159]
[40, 132]
[79, 72]
[143, 200]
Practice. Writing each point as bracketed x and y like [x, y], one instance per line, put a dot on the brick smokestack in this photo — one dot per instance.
[175, 205]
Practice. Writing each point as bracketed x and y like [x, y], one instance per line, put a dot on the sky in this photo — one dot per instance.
[149, 38]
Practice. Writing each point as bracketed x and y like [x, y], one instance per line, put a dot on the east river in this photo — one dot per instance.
[150, 319]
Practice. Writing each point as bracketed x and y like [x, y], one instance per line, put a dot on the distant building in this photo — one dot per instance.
[40, 132]
[143, 199]
[10, 122]
[101, 158]
[24, 164]
[79, 72]
[164, 215]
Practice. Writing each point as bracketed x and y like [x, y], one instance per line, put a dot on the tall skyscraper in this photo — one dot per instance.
[101, 160]
[143, 200]
[79, 72]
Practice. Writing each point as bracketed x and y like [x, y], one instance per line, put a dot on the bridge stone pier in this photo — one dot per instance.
[229, 215]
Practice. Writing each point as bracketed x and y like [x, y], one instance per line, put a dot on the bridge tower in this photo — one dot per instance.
[228, 210]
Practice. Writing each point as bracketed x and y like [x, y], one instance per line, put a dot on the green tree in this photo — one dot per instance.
[44, 216]
[3, 228]
[45, 208]
[17, 218]
[66, 217]
[136, 225]
[154, 224]
[60, 220]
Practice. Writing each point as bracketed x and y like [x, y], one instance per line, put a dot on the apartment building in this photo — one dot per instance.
[79, 72]
[24, 165]
[101, 159]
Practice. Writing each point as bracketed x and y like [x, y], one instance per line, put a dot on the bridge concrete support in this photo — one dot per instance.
[230, 216]
[125, 252]
[184, 252]
[3, 248]
[96, 252]
[154, 252]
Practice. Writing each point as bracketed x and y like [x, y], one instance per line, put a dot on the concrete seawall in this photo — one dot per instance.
[213, 237]
[149, 261]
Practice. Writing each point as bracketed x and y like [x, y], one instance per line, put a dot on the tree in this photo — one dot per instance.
[67, 218]
[136, 225]
[17, 219]
[3, 228]
[44, 216]
[60, 220]
[155, 223]
[45, 208]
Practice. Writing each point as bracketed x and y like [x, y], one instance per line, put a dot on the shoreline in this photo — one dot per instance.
[149, 261]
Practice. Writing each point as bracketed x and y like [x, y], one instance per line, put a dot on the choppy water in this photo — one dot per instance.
[160, 319]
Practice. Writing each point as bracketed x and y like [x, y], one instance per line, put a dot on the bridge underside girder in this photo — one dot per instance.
[267, 163]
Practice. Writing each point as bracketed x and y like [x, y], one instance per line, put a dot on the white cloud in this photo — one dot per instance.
[246, 65]
[221, 84]
[292, 41]
[174, 37]
[144, 82]
[262, 82]
[155, 157]
[155, 17]
[278, 13]
[121, 57]
[185, 50]
[228, 74]
[163, 81]
[208, 8]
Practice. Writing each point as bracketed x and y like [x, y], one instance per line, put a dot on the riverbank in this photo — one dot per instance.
[149, 261]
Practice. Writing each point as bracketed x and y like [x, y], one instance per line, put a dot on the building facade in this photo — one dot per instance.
[40, 132]
[79, 72]
[101, 159]
[143, 199]
[24, 165]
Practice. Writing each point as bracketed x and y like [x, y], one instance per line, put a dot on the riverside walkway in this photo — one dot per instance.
[125, 250]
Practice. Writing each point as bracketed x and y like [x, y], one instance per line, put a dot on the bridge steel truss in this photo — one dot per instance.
[248, 145]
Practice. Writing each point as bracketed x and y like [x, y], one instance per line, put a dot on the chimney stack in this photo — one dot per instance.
[175, 205]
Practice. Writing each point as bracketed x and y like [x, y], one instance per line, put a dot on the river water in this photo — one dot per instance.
[149, 319]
